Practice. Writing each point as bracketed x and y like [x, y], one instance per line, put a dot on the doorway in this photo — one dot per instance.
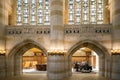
[94, 46]
[34, 61]
[85, 58]
[17, 60]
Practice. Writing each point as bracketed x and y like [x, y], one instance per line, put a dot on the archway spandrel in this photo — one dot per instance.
[94, 45]
[26, 45]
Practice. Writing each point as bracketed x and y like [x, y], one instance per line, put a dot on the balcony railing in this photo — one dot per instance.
[27, 30]
[69, 29]
[87, 29]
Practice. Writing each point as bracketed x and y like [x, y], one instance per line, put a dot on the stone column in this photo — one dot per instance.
[108, 67]
[18, 66]
[6, 9]
[65, 11]
[115, 10]
[4, 6]
[102, 66]
[116, 23]
[56, 69]
[10, 66]
[56, 22]
[116, 67]
[106, 13]
[3, 14]
[13, 15]
[110, 9]
[69, 67]
[57, 61]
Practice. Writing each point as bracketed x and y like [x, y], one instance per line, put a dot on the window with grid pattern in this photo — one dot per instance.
[33, 12]
[85, 11]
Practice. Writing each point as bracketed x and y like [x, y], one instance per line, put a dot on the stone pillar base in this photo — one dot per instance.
[56, 69]
[116, 67]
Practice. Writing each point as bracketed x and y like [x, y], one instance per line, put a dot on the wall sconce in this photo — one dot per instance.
[115, 51]
[2, 52]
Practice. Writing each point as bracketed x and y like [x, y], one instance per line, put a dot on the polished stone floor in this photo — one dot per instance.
[32, 74]
[42, 76]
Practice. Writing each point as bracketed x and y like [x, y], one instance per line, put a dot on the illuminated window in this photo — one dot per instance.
[33, 12]
[85, 11]
[93, 11]
[71, 11]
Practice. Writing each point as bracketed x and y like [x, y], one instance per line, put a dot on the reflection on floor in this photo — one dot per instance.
[32, 74]
[82, 76]
[33, 71]
[93, 71]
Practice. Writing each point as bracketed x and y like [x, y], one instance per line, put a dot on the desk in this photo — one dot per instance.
[41, 67]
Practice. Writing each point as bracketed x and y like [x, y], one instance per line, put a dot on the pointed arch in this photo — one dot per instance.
[26, 45]
[15, 56]
[95, 46]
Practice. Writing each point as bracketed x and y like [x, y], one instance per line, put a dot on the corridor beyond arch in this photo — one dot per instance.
[15, 56]
[95, 46]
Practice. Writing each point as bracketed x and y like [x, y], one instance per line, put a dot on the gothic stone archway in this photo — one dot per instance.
[15, 56]
[95, 46]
